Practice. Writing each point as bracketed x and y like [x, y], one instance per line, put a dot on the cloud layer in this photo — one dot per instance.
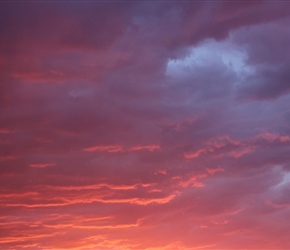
[144, 125]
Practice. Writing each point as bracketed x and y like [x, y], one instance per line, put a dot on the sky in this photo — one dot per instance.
[144, 125]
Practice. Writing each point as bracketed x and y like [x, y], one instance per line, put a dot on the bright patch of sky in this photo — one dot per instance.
[212, 53]
[285, 181]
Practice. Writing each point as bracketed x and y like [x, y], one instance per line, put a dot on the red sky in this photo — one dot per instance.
[144, 125]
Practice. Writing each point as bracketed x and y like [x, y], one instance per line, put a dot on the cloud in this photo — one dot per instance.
[41, 165]
[123, 122]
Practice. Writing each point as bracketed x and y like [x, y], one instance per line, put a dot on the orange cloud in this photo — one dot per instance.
[119, 148]
[41, 165]
[110, 148]
[148, 147]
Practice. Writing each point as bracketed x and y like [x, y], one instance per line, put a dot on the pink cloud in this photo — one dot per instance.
[5, 131]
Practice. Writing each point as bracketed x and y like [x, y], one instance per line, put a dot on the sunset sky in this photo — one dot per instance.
[144, 125]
